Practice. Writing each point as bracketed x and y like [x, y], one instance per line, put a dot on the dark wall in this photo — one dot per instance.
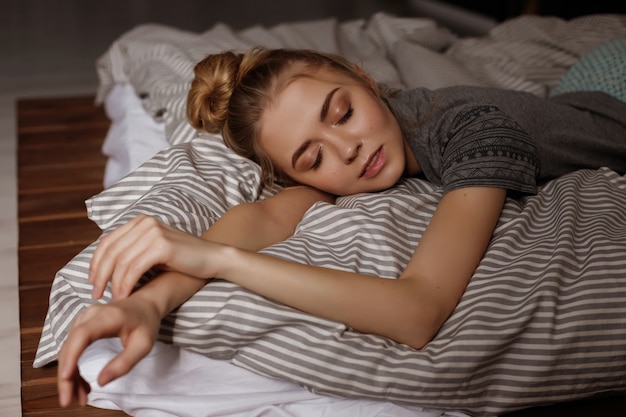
[567, 9]
[63, 38]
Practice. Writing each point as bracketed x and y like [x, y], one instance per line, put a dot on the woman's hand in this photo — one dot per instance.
[125, 254]
[134, 320]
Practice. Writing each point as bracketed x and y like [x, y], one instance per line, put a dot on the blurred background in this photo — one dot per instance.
[44, 42]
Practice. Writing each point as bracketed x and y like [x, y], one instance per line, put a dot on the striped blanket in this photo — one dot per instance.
[543, 318]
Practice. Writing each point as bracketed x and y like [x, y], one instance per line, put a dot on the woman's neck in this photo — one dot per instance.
[412, 167]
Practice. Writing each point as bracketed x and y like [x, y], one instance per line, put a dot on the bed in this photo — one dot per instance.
[543, 320]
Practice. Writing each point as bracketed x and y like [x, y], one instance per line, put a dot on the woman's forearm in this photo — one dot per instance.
[168, 291]
[251, 227]
[410, 309]
[395, 308]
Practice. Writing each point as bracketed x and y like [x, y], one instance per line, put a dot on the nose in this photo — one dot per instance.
[351, 152]
[348, 149]
[345, 145]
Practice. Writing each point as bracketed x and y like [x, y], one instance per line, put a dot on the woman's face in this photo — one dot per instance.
[330, 132]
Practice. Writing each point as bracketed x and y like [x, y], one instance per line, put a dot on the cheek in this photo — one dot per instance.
[333, 180]
[377, 120]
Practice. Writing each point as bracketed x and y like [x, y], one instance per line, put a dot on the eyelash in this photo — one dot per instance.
[345, 117]
[318, 160]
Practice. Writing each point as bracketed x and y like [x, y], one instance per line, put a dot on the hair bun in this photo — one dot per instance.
[209, 95]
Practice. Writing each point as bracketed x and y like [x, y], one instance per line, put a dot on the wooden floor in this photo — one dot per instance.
[60, 164]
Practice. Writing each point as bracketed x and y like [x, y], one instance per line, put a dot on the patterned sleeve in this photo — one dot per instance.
[485, 147]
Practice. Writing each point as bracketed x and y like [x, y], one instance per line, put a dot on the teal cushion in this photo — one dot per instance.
[601, 69]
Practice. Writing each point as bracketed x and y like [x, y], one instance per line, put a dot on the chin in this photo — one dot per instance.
[381, 184]
[390, 181]
[377, 188]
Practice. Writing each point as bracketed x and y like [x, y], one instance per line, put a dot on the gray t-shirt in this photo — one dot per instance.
[474, 136]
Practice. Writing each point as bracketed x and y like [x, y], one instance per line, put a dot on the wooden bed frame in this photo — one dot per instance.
[60, 165]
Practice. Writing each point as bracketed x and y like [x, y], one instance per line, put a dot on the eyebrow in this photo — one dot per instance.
[326, 105]
[299, 152]
[323, 114]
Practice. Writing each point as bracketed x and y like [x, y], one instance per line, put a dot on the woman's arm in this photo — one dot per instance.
[126, 253]
[136, 318]
[409, 310]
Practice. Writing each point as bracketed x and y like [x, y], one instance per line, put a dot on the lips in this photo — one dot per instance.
[374, 164]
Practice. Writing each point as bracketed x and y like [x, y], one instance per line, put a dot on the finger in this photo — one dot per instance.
[151, 247]
[130, 266]
[83, 389]
[66, 390]
[155, 244]
[106, 241]
[106, 256]
[100, 267]
[78, 390]
[77, 340]
[68, 380]
[136, 346]
[96, 322]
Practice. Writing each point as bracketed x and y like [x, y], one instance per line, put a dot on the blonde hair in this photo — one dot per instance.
[230, 91]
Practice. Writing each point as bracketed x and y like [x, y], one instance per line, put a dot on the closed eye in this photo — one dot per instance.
[318, 160]
[345, 117]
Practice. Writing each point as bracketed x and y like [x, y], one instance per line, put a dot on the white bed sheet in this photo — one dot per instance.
[134, 136]
[174, 382]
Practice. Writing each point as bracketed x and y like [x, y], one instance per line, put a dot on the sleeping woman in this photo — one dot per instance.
[322, 128]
